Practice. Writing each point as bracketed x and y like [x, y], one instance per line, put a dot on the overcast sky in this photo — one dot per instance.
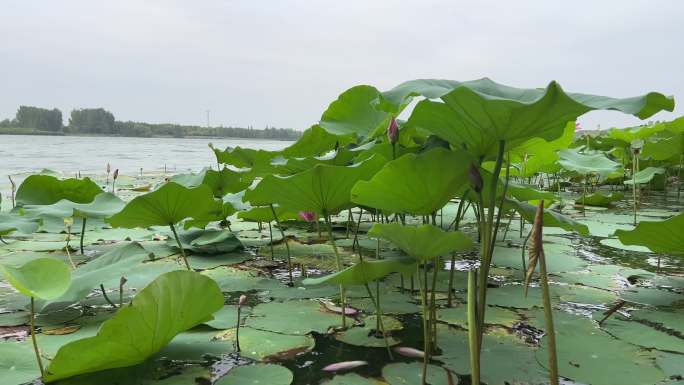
[281, 62]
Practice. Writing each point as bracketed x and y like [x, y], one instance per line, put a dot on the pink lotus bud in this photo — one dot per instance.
[578, 127]
[116, 173]
[393, 131]
[475, 178]
[242, 301]
[344, 365]
[308, 216]
[409, 352]
[109, 168]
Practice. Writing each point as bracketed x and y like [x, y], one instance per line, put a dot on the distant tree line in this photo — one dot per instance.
[98, 121]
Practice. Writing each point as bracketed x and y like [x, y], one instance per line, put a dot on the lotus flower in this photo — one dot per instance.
[409, 352]
[393, 131]
[308, 216]
[475, 178]
[344, 365]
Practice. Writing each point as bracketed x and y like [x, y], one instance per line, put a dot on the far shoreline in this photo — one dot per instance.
[49, 133]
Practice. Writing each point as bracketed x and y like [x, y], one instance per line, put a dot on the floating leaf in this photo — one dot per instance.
[209, 241]
[266, 374]
[10, 223]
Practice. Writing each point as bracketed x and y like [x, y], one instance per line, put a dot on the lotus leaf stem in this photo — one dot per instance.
[33, 338]
[287, 245]
[180, 246]
[338, 262]
[104, 294]
[83, 228]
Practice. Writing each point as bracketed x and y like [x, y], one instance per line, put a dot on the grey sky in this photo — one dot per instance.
[281, 62]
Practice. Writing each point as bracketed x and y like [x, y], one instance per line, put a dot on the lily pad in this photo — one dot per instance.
[266, 374]
[412, 374]
[292, 317]
[263, 345]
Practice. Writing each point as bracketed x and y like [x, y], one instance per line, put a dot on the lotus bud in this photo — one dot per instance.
[68, 222]
[475, 178]
[242, 301]
[409, 352]
[344, 365]
[637, 145]
[308, 216]
[109, 168]
[578, 126]
[116, 174]
[393, 131]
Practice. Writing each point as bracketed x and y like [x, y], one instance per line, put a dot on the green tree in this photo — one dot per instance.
[39, 118]
[92, 121]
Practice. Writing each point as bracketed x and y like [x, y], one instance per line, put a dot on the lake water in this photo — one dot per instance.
[20, 154]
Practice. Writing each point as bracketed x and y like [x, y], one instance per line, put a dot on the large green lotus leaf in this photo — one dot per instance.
[17, 363]
[316, 141]
[627, 135]
[105, 204]
[594, 163]
[289, 166]
[46, 190]
[172, 303]
[221, 182]
[505, 359]
[43, 278]
[170, 204]
[322, 189]
[112, 264]
[660, 237]
[353, 113]
[263, 345]
[664, 319]
[292, 317]
[663, 147]
[258, 374]
[422, 242]
[536, 145]
[209, 241]
[411, 373]
[415, 184]
[480, 113]
[597, 358]
[264, 214]
[600, 199]
[10, 223]
[253, 163]
[645, 175]
[524, 193]
[551, 218]
[364, 272]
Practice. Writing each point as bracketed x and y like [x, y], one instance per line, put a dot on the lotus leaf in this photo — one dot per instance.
[416, 184]
[266, 374]
[364, 272]
[585, 164]
[601, 200]
[660, 237]
[10, 223]
[168, 205]
[322, 189]
[292, 317]
[316, 141]
[112, 264]
[353, 113]
[551, 218]
[402, 373]
[42, 278]
[46, 190]
[478, 114]
[210, 241]
[645, 175]
[221, 182]
[172, 303]
[422, 242]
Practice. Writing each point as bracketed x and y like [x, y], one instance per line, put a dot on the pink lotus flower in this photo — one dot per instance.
[393, 131]
[344, 365]
[308, 216]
